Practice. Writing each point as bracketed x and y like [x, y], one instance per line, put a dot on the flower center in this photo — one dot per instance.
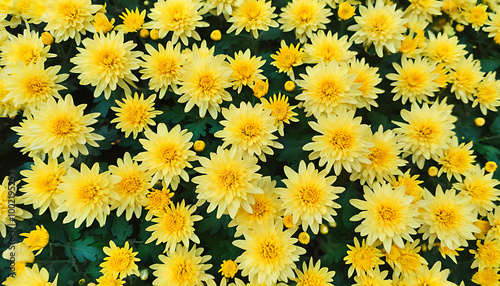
[414, 80]
[308, 196]
[38, 87]
[137, 115]
[228, 179]
[90, 193]
[167, 67]
[28, 55]
[377, 156]
[132, 185]
[229, 269]
[331, 91]
[120, 261]
[269, 251]
[169, 154]
[250, 130]
[259, 209]
[342, 140]
[445, 217]
[409, 261]
[363, 259]
[174, 222]
[207, 84]
[72, 13]
[52, 182]
[279, 110]
[184, 273]
[63, 127]
[388, 214]
[110, 61]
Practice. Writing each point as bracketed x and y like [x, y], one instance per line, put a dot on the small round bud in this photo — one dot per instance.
[479, 121]
[199, 146]
[215, 35]
[304, 237]
[81, 282]
[323, 228]
[490, 166]
[289, 86]
[459, 28]
[346, 11]
[146, 3]
[433, 171]
[144, 274]
[144, 33]
[288, 221]
[260, 88]
[332, 224]
[47, 38]
[154, 34]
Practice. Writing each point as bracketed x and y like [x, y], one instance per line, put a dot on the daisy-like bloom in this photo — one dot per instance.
[343, 143]
[487, 254]
[27, 48]
[309, 195]
[253, 15]
[327, 88]
[448, 217]
[177, 16]
[477, 16]
[163, 67]
[481, 188]
[69, 18]
[269, 254]
[36, 239]
[414, 80]
[314, 275]
[388, 215]
[135, 114]
[288, 57]
[375, 278]
[203, 83]
[423, 10]
[305, 17]
[120, 261]
[411, 184]
[173, 226]
[102, 24]
[327, 48]
[132, 20]
[444, 49]
[457, 160]
[487, 277]
[107, 61]
[157, 202]
[246, 70]
[167, 154]
[363, 258]
[224, 7]
[228, 181]
[381, 25]
[405, 260]
[427, 133]
[384, 157]
[31, 276]
[249, 129]
[280, 110]
[431, 277]
[466, 76]
[86, 195]
[492, 26]
[131, 185]
[42, 184]
[260, 88]
[6, 219]
[264, 209]
[346, 11]
[57, 128]
[487, 93]
[369, 78]
[183, 267]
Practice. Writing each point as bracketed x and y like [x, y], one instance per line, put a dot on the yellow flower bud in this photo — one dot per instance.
[215, 35]
[288, 221]
[154, 34]
[490, 166]
[47, 38]
[289, 86]
[260, 88]
[144, 274]
[433, 171]
[323, 228]
[199, 146]
[304, 237]
[346, 11]
[81, 282]
[479, 121]
[459, 28]
[144, 33]
[146, 3]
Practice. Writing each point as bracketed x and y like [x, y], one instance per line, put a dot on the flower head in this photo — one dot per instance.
[405, 260]
[280, 110]
[246, 70]
[157, 202]
[36, 239]
[369, 78]
[30, 276]
[314, 274]
[120, 261]
[487, 254]
[457, 160]
[132, 20]
[363, 258]
[252, 15]
[466, 76]
[487, 93]
[487, 277]
[288, 57]
[327, 48]
[101, 23]
[444, 49]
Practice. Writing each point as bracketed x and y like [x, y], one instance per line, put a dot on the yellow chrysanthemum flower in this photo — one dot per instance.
[131, 185]
[327, 48]
[253, 15]
[431, 277]
[375, 278]
[7, 107]
[228, 181]
[288, 57]
[57, 128]
[327, 88]
[309, 195]
[305, 17]
[477, 16]
[177, 16]
[280, 110]
[487, 277]
[369, 78]
[264, 209]
[314, 274]
[132, 20]
[228, 269]
[135, 114]
[381, 25]
[69, 18]
[260, 88]
[346, 11]
[86, 195]
[120, 261]
[411, 184]
[101, 23]
[494, 220]
[246, 70]
[250, 129]
[42, 184]
[447, 217]
[405, 260]
[487, 254]
[203, 83]
[481, 188]
[107, 61]
[444, 49]
[167, 154]
[269, 254]
[225, 7]
[414, 81]
[157, 202]
[388, 215]
[36, 239]
[183, 267]
[174, 226]
[487, 93]
[384, 157]
[22, 253]
[163, 67]
[423, 10]
[31, 276]
[427, 133]
[492, 26]
[362, 257]
[466, 76]
[342, 144]
[457, 160]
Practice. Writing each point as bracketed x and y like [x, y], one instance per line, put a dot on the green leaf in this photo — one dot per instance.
[495, 126]
[198, 128]
[121, 229]
[82, 249]
[489, 64]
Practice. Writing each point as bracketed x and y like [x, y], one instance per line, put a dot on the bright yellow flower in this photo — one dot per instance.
[477, 16]
[487, 93]
[120, 261]
[31, 276]
[487, 277]
[376, 278]
[132, 20]
[346, 11]
[443, 49]
[252, 15]
[225, 7]
[288, 57]
[466, 76]
[487, 254]
[36, 239]
[229, 268]
[157, 202]
[280, 110]
[327, 48]
[457, 160]
[101, 23]
[260, 88]
[362, 257]
[411, 184]
[314, 275]
[492, 26]
[246, 70]
[423, 10]
[430, 277]
[494, 220]
[369, 78]
[405, 260]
